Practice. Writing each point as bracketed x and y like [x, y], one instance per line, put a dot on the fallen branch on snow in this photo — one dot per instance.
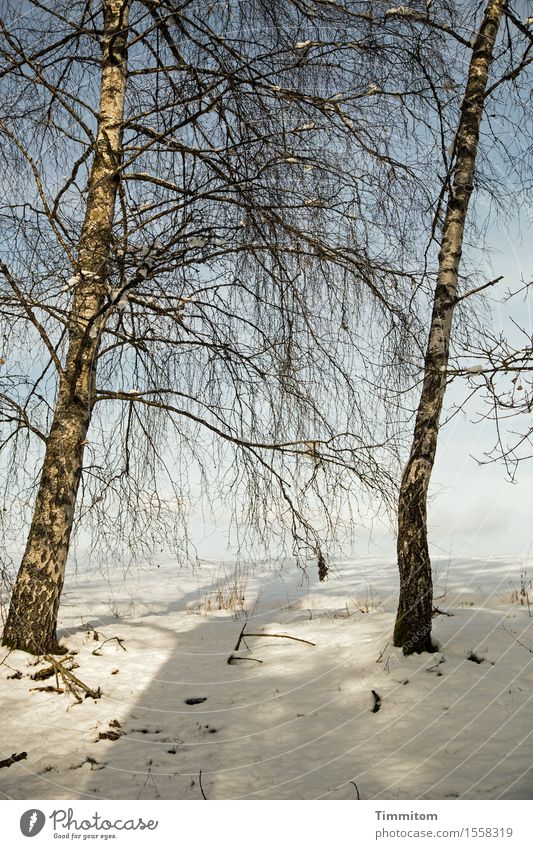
[242, 635]
[72, 684]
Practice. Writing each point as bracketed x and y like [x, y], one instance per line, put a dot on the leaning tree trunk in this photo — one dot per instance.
[32, 618]
[413, 623]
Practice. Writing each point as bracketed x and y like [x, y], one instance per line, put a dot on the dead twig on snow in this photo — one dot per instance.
[380, 658]
[96, 651]
[232, 658]
[515, 638]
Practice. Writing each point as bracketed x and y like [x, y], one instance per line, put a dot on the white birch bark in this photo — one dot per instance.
[32, 618]
[413, 624]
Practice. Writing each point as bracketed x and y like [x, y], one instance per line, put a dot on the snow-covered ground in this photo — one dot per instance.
[298, 725]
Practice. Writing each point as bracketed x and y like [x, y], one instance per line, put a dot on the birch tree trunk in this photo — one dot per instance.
[32, 618]
[413, 623]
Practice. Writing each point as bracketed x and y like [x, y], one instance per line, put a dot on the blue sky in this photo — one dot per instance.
[474, 511]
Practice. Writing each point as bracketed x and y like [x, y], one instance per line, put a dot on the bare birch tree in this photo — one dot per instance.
[204, 211]
[33, 613]
[413, 624]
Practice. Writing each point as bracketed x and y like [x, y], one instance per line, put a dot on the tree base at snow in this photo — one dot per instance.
[411, 639]
[26, 628]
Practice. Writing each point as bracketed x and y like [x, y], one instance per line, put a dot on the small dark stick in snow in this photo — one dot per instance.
[21, 756]
[201, 786]
[233, 657]
[356, 787]
[377, 701]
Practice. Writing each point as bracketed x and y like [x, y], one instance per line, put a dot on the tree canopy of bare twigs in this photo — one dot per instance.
[205, 262]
